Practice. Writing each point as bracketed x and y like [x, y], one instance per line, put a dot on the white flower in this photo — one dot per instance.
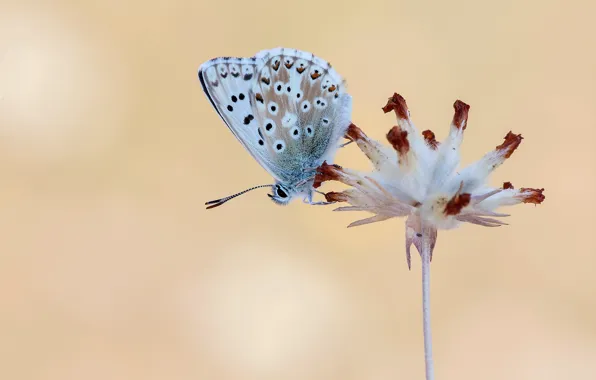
[419, 179]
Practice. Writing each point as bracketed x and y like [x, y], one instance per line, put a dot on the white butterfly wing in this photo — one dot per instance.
[227, 82]
[287, 107]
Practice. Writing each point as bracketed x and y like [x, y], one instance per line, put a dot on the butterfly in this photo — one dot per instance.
[287, 107]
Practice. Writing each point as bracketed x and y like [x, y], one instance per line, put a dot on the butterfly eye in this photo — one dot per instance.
[280, 193]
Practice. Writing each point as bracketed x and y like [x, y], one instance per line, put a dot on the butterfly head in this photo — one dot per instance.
[282, 194]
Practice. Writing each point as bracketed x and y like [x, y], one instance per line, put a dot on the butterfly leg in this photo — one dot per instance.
[308, 199]
[321, 203]
[346, 144]
[310, 202]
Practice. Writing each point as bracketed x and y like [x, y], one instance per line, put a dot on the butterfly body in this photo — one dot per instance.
[287, 108]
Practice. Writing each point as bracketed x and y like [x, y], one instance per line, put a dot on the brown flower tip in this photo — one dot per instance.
[336, 197]
[399, 140]
[508, 185]
[326, 172]
[510, 144]
[354, 133]
[530, 195]
[457, 203]
[460, 117]
[398, 104]
[429, 137]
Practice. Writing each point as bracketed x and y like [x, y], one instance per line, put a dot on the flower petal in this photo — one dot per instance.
[327, 172]
[372, 219]
[350, 208]
[448, 152]
[509, 146]
[429, 138]
[415, 156]
[482, 212]
[481, 197]
[333, 196]
[366, 194]
[486, 222]
[529, 195]
[509, 196]
[457, 202]
[460, 117]
[477, 173]
[398, 138]
[379, 155]
[397, 103]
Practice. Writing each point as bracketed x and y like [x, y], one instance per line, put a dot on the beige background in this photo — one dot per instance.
[110, 268]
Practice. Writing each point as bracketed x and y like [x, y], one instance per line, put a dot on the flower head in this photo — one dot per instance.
[418, 178]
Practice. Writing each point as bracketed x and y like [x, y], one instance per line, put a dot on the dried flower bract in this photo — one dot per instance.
[418, 178]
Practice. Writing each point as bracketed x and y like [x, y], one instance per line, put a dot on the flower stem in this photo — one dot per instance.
[428, 345]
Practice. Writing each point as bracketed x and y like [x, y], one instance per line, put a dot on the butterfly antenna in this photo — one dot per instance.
[221, 201]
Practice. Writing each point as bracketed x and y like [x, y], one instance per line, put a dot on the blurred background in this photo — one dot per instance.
[111, 268]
